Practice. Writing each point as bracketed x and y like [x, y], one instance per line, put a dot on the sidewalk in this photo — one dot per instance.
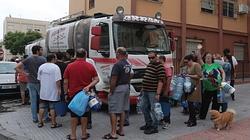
[18, 125]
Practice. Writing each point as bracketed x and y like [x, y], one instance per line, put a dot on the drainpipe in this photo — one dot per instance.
[220, 25]
[183, 28]
[133, 7]
[248, 30]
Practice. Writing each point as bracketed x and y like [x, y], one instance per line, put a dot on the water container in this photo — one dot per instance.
[187, 85]
[94, 103]
[178, 89]
[227, 88]
[158, 111]
[139, 105]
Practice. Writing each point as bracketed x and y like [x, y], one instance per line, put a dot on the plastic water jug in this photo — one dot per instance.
[158, 111]
[227, 88]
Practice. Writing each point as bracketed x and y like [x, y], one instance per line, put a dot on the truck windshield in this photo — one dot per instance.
[140, 38]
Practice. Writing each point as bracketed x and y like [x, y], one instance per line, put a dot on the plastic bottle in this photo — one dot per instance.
[158, 111]
[139, 105]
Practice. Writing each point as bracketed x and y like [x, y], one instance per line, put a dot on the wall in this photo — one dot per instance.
[109, 6]
[196, 17]
[170, 9]
[76, 6]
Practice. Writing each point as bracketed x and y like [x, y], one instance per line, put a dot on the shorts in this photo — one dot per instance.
[23, 86]
[118, 102]
[44, 104]
[73, 115]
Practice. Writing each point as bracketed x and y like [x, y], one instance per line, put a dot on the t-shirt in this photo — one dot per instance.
[212, 77]
[31, 65]
[122, 70]
[234, 61]
[49, 74]
[62, 67]
[22, 77]
[153, 74]
[79, 74]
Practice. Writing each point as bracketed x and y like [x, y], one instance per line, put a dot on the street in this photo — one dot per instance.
[16, 123]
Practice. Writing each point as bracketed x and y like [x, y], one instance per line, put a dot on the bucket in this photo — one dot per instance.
[227, 88]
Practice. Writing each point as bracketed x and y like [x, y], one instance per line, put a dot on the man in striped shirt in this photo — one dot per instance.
[151, 89]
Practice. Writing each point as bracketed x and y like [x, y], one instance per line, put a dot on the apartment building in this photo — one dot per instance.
[12, 24]
[216, 24]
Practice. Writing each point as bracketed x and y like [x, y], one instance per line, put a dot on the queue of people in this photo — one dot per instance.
[59, 79]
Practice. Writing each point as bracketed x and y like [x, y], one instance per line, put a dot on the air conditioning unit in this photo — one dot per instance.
[243, 9]
[207, 4]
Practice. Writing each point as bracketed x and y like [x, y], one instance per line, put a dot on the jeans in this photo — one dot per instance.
[166, 110]
[34, 89]
[148, 100]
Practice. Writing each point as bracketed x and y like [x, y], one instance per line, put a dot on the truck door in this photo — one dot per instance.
[100, 41]
[100, 51]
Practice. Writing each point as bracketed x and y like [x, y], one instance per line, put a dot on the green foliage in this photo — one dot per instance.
[16, 42]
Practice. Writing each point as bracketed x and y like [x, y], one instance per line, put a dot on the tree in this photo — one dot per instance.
[16, 41]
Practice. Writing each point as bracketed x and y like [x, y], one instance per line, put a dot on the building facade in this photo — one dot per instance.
[216, 24]
[12, 24]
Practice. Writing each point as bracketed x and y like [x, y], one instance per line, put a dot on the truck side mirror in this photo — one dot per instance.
[95, 43]
[172, 41]
[96, 30]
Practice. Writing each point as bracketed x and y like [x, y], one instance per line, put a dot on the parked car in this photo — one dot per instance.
[8, 81]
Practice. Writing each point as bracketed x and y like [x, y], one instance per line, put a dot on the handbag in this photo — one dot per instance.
[79, 103]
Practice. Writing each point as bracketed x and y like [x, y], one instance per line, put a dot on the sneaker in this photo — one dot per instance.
[151, 131]
[165, 126]
[191, 124]
[144, 127]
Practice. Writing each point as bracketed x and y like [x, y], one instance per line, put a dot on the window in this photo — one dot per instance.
[208, 6]
[104, 45]
[192, 45]
[91, 4]
[140, 38]
[229, 8]
[239, 51]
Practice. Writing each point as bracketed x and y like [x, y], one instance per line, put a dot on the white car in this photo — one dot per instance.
[8, 81]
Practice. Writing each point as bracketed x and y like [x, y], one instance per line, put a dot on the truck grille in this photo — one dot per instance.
[138, 73]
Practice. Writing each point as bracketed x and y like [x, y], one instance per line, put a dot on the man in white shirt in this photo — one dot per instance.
[49, 75]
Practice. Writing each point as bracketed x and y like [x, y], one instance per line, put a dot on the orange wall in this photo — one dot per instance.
[196, 17]
[76, 6]
[109, 6]
[170, 9]
[238, 24]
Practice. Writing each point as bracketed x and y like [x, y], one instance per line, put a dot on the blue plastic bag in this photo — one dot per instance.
[79, 103]
[61, 108]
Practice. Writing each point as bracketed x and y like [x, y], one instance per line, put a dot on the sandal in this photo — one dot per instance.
[40, 124]
[69, 137]
[84, 138]
[118, 132]
[56, 125]
[109, 136]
